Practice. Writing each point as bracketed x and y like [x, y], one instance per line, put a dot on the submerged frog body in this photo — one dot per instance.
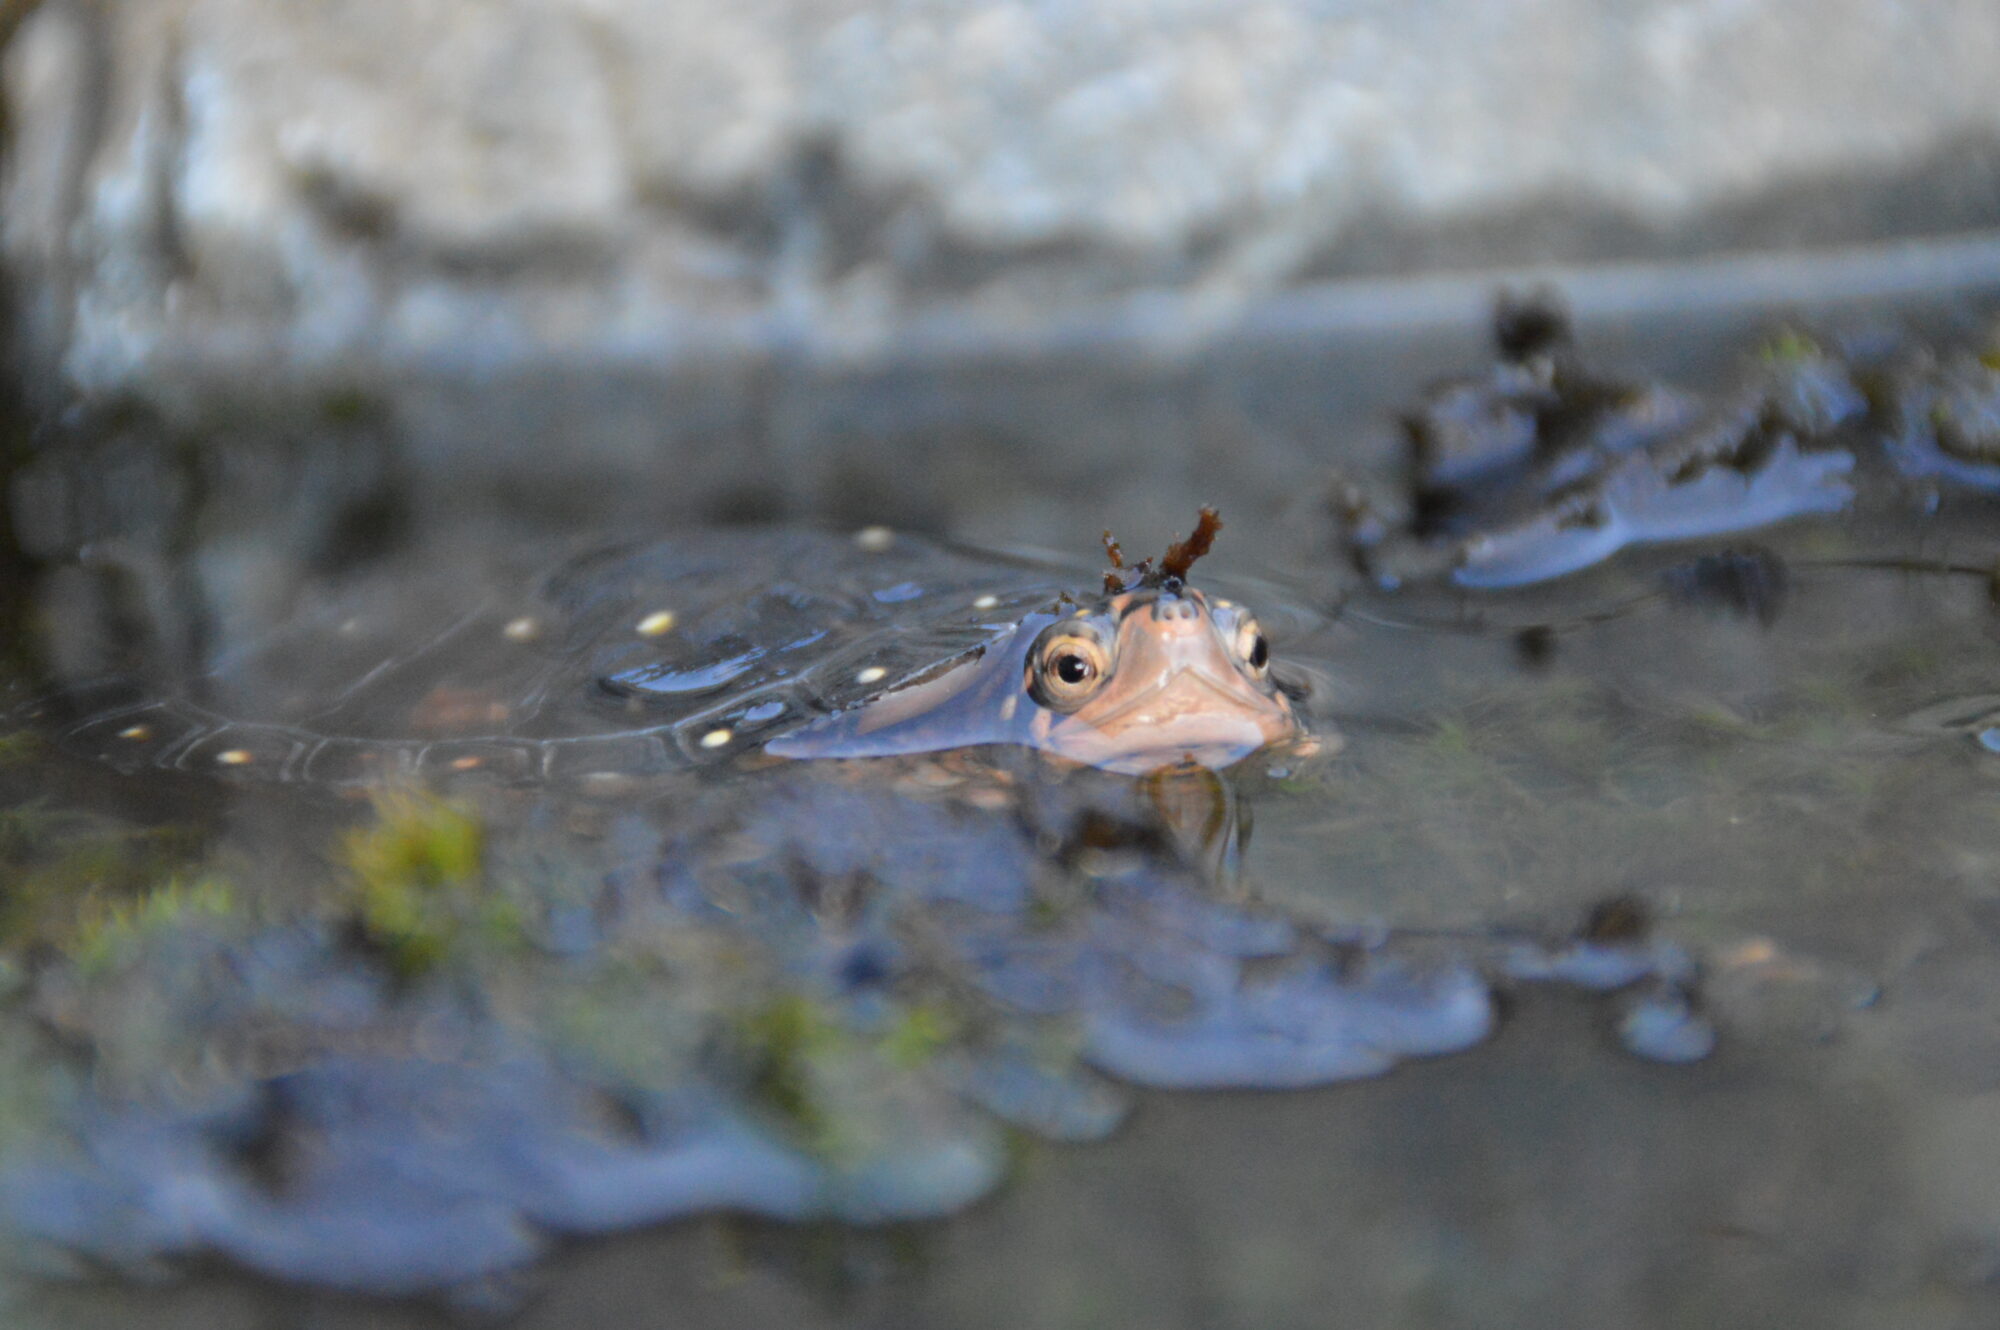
[699, 648]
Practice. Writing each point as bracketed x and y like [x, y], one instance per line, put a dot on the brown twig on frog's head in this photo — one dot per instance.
[1180, 555]
[1173, 566]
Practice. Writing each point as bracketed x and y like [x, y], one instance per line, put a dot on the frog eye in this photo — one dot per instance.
[1253, 648]
[1069, 666]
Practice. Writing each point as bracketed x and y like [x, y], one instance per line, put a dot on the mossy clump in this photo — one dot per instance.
[779, 1043]
[413, 871]
[830, 1081]
[919, 1034]
[110, 933]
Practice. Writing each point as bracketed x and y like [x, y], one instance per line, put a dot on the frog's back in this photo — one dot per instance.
[641, 657]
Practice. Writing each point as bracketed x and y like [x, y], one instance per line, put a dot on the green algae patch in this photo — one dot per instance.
[919, 1034]
[113, 932]
[780, 1042]
[1789, 346]
[849, 1093]
[413, 874]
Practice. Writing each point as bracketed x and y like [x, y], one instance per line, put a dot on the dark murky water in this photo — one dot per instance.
[940, 1027]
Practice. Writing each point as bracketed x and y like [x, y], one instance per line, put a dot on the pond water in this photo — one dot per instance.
[1625, 955]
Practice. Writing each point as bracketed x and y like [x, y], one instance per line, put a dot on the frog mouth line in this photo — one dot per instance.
[1191, 714]
[1186, 691]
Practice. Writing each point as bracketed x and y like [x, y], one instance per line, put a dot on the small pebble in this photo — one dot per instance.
[235, 757]
[136, 732]
[874, 539]
[873, 674]
[716, 738]
[656, 623]
[525, 629]
[986, 602]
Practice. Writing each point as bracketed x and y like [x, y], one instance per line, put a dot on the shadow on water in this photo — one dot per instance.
[332, 951]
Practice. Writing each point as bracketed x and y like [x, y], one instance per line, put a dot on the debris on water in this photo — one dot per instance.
[1526, 325]
[1116, 553]
[1653, 981]
[1624, 918]
[1173, 566]
[1545, 465]
[1663, 1025]
[1947, 418]
[1751, 583]
[1612, 948]
[1307, 1026]
[1536, 645]
[1772, 992]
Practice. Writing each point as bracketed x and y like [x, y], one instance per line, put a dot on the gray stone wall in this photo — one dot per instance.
[741, 235]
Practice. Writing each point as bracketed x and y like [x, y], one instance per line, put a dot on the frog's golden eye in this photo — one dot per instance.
[1253, 648]
[1069, 666]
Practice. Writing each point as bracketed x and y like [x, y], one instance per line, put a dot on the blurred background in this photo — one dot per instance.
[1014, 271]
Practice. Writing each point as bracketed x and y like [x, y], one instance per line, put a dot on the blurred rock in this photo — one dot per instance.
[692, 246]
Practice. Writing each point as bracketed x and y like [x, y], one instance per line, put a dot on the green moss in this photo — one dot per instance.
[111, 933]
[922, 1032]
[417, 843]
[780, 1041]
[411, 872]
[1788, 346]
